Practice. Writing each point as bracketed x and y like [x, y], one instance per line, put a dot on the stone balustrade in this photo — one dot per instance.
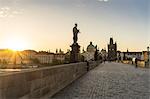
[38, 82]
[93, 64]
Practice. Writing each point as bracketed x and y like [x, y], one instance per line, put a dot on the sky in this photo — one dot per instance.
[47, 24]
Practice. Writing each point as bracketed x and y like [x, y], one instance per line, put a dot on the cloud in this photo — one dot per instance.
[103, 0]
[9, 12]
[10, 8]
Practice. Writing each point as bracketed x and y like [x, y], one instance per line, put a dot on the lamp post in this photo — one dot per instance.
[148, 56]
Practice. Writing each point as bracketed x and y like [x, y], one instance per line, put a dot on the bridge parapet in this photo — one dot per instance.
[39, 82]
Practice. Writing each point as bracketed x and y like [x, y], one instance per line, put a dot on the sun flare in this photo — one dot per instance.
[16, 44]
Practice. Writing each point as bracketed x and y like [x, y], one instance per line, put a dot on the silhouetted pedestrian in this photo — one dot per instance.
[136, 62]
[104, 60]
[87, 65]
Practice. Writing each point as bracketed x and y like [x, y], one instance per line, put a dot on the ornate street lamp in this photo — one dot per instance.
[148, 56]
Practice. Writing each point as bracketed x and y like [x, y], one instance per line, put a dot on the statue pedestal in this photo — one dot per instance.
[74, 56]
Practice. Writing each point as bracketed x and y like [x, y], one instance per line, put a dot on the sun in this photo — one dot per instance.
[16, 44]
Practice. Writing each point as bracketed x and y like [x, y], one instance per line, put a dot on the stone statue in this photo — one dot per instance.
[75, 48]
[75, 34]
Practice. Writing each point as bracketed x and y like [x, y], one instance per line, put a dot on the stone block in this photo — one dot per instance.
[35, 94]
[36, 84]
[15, 92]
[45, 90]
[33, 75]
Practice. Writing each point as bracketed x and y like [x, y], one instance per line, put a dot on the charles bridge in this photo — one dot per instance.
[78, 80]
[73, 81]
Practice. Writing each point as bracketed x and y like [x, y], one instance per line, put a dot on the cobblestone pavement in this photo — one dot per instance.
[110, 81]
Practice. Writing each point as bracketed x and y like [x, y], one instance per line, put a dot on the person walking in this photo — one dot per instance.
[136, 62]
[87, 65]
[104, 59]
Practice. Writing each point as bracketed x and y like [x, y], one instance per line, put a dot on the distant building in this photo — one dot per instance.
[28, 56]
[89, 54]
[59, 56]
[45, 57]
[91, 48]
[112, 50]
[130, 55]
[104, 54]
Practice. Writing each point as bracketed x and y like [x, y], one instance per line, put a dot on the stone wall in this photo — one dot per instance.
[93, 64]
[41, 81]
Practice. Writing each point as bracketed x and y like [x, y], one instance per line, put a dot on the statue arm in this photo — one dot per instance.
[78, 31]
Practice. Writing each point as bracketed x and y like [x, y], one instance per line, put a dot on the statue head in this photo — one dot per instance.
[90, 43]
[76, 25]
